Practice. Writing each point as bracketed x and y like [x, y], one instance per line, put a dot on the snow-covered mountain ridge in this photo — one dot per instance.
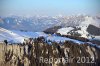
[13, 36]
[19, 36]
[88, 29]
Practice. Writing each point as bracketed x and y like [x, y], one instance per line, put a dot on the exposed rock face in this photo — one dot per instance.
[41, 54]
[52, 30]
[93, 30]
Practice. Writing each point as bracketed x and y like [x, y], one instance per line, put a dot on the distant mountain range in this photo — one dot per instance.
[40, 23]
[81, 25]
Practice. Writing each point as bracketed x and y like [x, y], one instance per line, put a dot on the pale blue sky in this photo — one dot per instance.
[49, 7]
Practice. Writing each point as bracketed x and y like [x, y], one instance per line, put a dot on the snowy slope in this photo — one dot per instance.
[30, 34]
[83, 28]
[64, 31]
[10, 36]
[19, 36]
[84, 25]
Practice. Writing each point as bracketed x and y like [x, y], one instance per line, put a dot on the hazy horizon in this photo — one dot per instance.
[49, 7]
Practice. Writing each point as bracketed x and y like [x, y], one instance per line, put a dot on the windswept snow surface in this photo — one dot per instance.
[19, 36]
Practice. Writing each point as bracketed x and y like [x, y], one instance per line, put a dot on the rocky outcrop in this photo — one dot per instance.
[41, 53]
[93, 30]
[52, 30]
